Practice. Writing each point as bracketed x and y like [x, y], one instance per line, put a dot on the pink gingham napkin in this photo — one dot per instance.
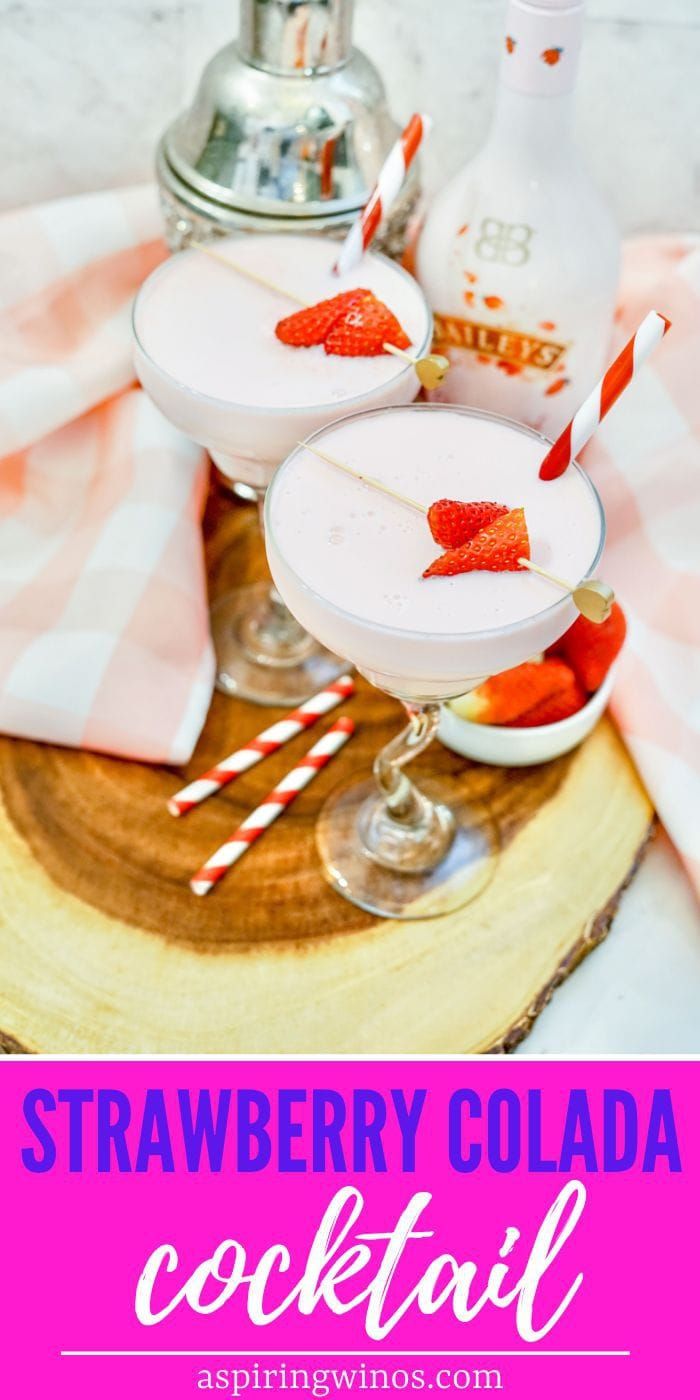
[104, 640]
[645, 460]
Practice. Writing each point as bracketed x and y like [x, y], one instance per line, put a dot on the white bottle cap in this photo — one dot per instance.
[550, 6]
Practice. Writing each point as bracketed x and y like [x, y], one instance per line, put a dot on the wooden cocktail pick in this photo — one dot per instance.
[361, 476]
[593, 598]
[431, 369]
[246, 272]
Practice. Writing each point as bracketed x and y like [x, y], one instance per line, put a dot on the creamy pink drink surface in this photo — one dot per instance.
[207, 352]
[349, 560]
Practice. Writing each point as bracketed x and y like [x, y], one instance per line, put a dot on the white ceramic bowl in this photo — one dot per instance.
[517, 748]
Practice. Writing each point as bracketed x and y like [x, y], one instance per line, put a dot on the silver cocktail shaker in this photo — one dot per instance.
[287, 131]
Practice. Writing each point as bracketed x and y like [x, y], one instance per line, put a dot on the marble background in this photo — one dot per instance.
[88, 85]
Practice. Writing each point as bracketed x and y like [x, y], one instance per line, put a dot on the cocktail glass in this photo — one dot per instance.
[263, 653]
[388, 845]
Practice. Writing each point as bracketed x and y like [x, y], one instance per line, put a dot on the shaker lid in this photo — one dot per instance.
[296, 36]
[288, 121]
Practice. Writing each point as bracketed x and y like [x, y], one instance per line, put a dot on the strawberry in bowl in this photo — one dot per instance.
[541, 709]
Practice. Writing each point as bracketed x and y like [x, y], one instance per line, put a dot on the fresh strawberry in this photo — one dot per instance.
[311, 325]
[497, 547]
[591, 647]
[503, 698]
[353, 323]
[555, 707]
[454, 522]
[364, 328]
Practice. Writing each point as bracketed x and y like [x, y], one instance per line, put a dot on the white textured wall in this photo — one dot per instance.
[87, 86]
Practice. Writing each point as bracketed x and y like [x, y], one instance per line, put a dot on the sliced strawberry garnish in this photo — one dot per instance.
[364, 328]
[507, 696]
[498, 548]
[591, 647]
[454, 522]
[311, 325]
[353, 323]
[554, 708]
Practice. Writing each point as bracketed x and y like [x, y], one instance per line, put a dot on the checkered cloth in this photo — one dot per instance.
[645, 460]
[104, 640]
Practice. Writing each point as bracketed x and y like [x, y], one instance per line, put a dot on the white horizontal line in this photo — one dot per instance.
[367, 1355]
[321, 1057]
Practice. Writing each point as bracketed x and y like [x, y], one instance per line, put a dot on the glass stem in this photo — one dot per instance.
[271, 636]
[403, 800]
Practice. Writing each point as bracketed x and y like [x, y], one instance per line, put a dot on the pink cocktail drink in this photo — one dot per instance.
[207, 354]
[349, 560]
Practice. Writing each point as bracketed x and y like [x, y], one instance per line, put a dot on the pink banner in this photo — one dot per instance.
[178, 1229]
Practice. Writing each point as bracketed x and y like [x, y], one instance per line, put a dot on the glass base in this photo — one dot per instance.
[263, 655]
[354, 838]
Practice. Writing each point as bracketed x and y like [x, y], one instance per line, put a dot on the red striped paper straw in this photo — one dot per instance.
[269, 741]
[386, 190]
[606, 393]
[273, 806]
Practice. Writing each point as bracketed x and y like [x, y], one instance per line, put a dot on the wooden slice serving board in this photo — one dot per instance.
[104, 950]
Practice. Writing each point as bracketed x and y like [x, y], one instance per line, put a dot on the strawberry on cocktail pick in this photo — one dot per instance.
[364, 329]
[311, 325]
[352, 323]
[500, 547]
[454, 522]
